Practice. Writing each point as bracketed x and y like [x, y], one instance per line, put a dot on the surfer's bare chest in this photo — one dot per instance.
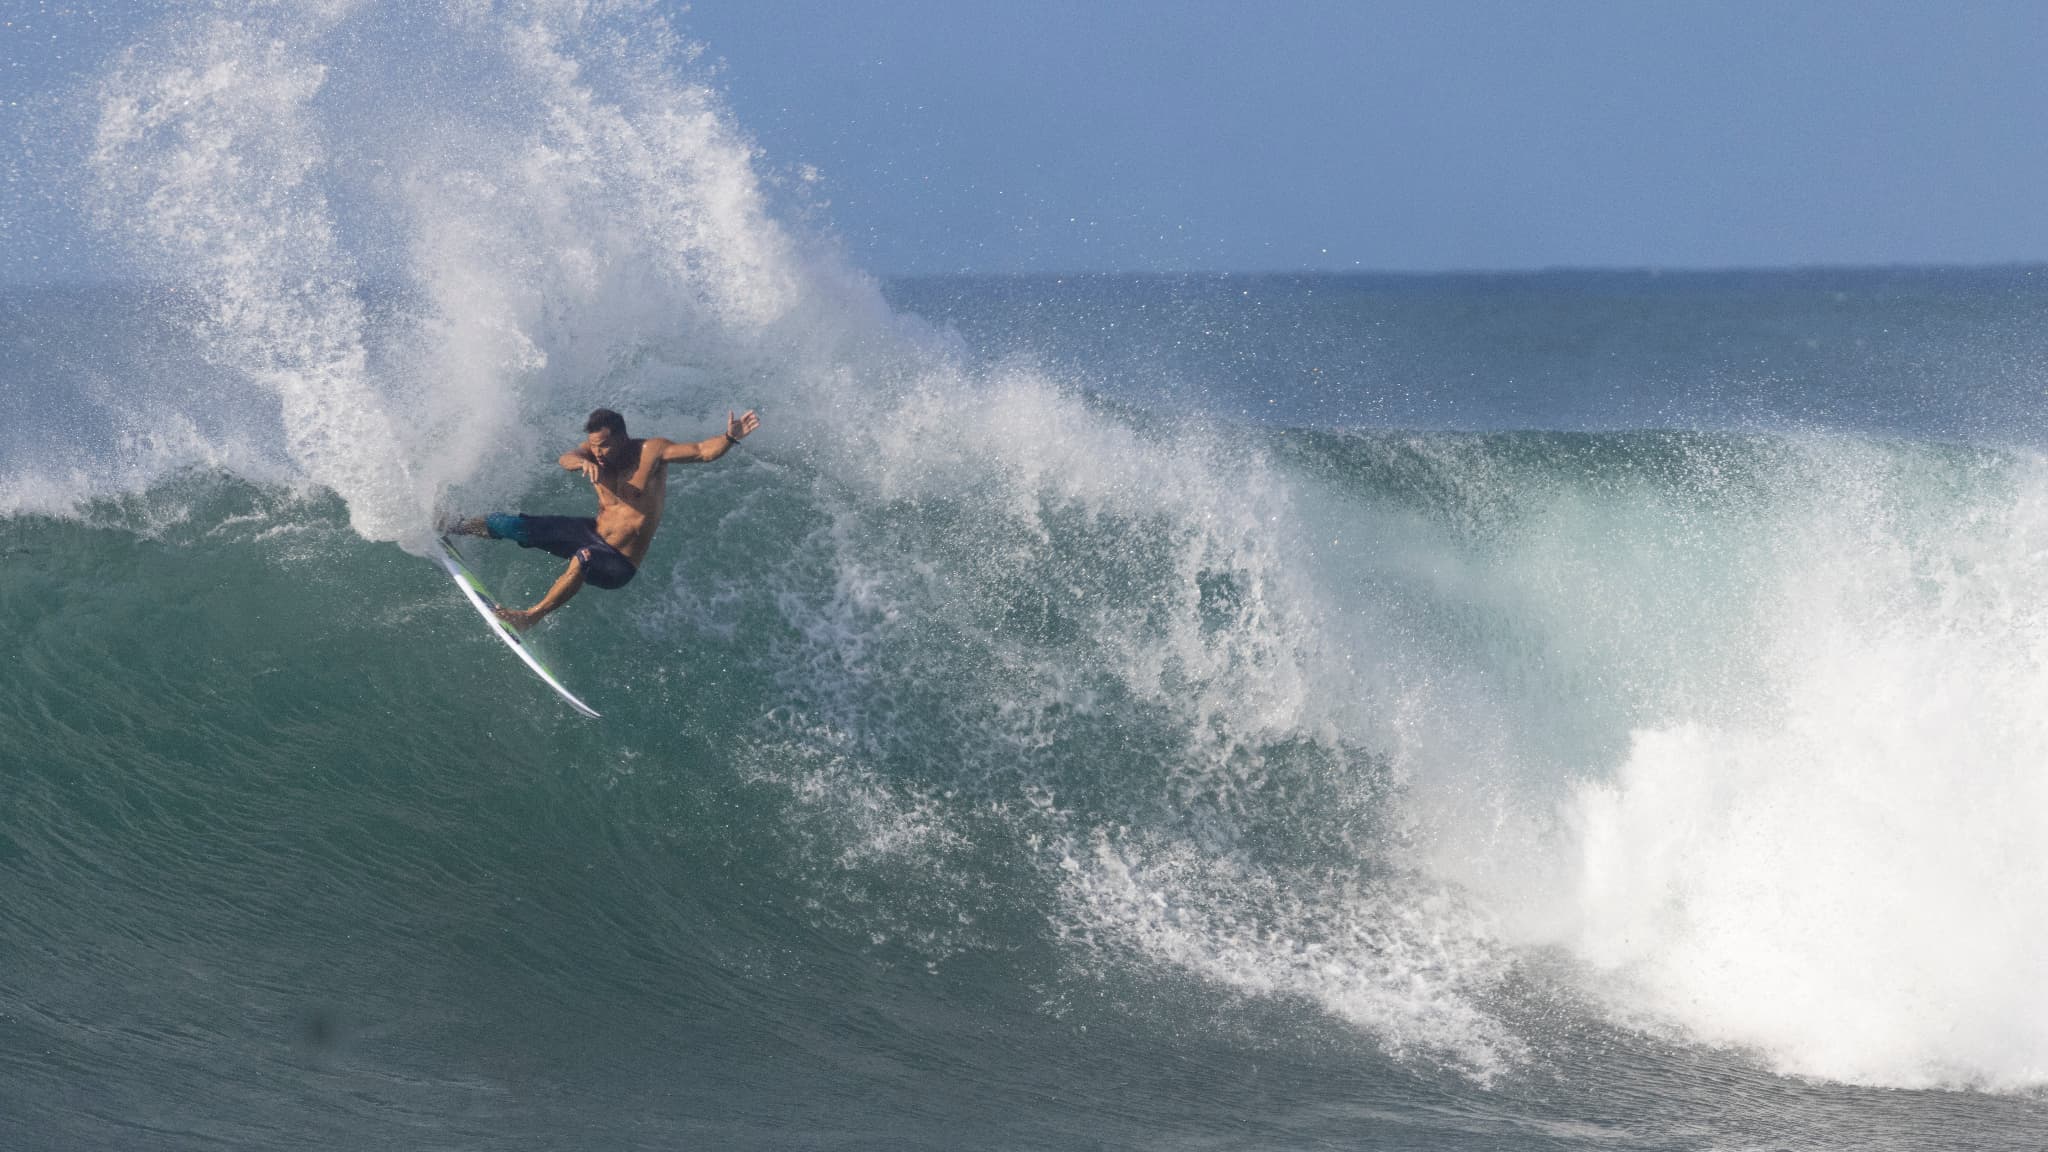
[627, 515]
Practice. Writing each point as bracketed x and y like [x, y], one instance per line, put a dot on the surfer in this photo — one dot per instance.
[631, 478]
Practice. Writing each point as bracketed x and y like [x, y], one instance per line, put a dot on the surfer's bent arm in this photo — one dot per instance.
[736, 429]
[579, 459]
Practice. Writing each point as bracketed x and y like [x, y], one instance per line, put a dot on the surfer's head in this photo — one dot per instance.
[607, 432]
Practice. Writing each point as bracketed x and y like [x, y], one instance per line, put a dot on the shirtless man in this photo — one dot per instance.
[631, 478]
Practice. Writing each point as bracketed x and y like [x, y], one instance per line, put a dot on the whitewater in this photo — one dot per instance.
[1550, 711]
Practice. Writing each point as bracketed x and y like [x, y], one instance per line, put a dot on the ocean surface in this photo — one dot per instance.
[1550, 711]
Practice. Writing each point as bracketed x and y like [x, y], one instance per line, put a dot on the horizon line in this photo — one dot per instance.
[1533, 271]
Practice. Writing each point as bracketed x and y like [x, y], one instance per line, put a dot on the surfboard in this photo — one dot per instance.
[480, 598]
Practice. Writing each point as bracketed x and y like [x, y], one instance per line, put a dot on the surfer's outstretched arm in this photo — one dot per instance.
[736, 428]
[566, 585]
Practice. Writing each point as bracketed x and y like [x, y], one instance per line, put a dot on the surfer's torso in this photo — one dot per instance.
[630, 502]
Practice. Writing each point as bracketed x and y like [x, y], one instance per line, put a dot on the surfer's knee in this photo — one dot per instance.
[505, 526]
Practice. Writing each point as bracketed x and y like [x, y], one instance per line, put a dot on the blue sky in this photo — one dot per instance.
[1298, 134]
[1313, 134]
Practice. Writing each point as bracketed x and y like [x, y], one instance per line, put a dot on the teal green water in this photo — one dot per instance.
[295, 853]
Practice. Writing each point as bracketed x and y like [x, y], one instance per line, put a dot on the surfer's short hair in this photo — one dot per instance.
[606, 418]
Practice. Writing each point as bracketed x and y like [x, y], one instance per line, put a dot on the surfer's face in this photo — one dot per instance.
[605, 447]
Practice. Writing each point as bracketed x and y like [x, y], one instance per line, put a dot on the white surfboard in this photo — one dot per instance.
[480, 598]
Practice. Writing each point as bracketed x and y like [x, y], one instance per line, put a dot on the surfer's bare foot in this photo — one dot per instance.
[518, 619]
[471, 526]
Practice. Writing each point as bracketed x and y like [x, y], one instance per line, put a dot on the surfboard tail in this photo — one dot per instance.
[486, 605]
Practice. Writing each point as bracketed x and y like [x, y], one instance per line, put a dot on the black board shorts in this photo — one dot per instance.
[570, 537]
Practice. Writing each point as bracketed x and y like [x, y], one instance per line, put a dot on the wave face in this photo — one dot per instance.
[1015, 743]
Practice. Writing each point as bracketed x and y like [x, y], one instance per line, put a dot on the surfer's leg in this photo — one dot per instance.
[507, 526]
[557, 535]
[565, 586]
[511, 526]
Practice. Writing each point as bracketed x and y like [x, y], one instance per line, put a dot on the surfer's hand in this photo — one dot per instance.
[591, 471]
[737, 429]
